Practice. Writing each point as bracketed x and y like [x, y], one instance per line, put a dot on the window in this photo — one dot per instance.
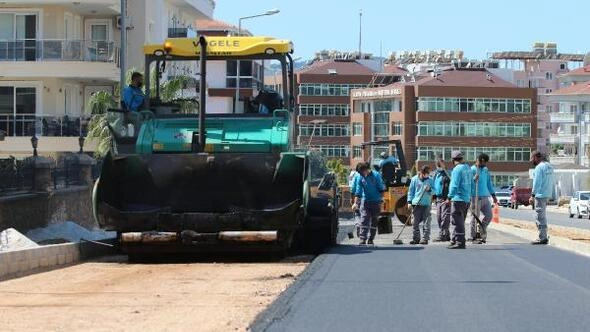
[357, 129]
[357, 152]
[333, 150]
[324, 130]
[250, 74]
[480, 105]
[473, 129]
[18, 36]
[325, 89]
[548, 75]
[381, 125]
[18, 106]
[396, 128]
[497, 154]
[562, 66]
[549, 108]
[324, 109]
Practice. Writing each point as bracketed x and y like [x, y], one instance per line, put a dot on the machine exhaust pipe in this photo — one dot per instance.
[249, 236]
[148, 237]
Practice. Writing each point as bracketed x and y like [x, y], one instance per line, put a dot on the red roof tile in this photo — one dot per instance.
[327, 67]
[214, 25]
[576, 89]
[469, 78]
[389, 69]
[583, 71]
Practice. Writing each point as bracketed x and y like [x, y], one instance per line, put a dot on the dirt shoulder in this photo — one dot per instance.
[119, 296]
[570, 233]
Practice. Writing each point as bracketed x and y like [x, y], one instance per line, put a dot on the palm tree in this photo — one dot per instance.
[98, 129]
[100, 102]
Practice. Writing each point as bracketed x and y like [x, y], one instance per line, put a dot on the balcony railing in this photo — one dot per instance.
[181, 33]
[29, 124]
[563, 159]
[59, 50]
[563, 138]
[563, 117]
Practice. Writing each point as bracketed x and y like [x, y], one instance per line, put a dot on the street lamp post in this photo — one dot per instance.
[266, 13]
[315, 123]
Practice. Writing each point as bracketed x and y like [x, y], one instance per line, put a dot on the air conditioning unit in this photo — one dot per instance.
[129, 23]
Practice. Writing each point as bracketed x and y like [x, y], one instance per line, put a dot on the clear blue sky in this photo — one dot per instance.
[475, 26]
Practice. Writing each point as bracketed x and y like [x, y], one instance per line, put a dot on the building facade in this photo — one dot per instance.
[571, 123]
[466, 109]
[323, 120]
[55, 54]
[540, 69]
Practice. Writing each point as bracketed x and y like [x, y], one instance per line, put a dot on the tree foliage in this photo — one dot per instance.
[100, 102]
[339, 169]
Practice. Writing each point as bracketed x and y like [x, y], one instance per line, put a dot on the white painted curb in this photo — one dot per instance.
[555, 241]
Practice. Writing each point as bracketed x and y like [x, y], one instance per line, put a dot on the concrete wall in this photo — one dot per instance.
[21, 146]
[22, 262]
[29, 211]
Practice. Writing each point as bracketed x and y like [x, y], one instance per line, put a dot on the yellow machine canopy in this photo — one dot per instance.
[221, 46]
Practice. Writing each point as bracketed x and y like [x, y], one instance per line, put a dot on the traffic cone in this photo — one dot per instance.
[496, 214]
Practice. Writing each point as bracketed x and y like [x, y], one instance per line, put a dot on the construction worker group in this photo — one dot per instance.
[467, 193]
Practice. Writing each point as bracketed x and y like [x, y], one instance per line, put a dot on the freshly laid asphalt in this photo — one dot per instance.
[505, 285]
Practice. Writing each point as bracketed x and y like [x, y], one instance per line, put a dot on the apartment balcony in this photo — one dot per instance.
[55, 134]
[560, 160]
[59, 58]
[563, 139]
[563, 117]
[181, 33]
[29, 124]
[203, 7]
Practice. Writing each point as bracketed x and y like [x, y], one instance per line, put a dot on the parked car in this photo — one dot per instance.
[503, 197]
[579, 204]
[520, 196]
[507, 187]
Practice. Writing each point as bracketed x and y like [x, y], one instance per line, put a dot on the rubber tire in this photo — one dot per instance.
[579, 215]
[571, 214]
[315, 240]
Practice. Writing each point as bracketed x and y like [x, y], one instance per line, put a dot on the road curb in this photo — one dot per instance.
[580, 248]
[19, 263]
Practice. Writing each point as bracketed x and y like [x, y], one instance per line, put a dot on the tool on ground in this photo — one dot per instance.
[475, 209]
[409, 221]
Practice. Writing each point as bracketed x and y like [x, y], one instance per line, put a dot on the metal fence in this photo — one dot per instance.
[27, 124]
[16, 176]
[58, 50]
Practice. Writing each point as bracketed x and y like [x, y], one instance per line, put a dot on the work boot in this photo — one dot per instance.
[415, 241]
[442, 239]
[544, 241]
[362, 242]
[424, 241]
[457, 246]
[479, 241]
[370, 242]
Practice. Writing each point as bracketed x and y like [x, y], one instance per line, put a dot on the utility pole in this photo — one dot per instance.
[123, 48]
[360, 31]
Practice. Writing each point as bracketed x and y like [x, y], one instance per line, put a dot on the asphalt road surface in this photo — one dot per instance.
[505, 285]
[554, 218]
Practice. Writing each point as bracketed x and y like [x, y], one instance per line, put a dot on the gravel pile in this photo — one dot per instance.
[68, 231]
[11, 239]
